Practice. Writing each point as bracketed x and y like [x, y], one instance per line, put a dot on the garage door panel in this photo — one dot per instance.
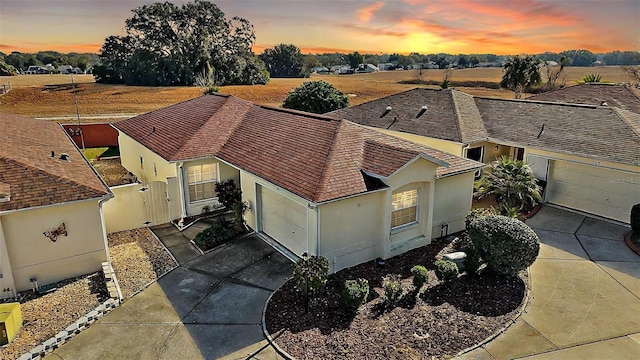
[592, 189]
[284, 220]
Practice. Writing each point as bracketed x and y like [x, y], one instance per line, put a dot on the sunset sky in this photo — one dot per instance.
[403, 26]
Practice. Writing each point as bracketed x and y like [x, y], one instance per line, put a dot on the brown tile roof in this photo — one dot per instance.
[35, 178]
[620, 96]
[450, 114]
[316, 157]
[590, 131]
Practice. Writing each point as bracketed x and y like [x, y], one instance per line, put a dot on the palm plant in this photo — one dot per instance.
[512, 183]
[592, 78]
[520, 73]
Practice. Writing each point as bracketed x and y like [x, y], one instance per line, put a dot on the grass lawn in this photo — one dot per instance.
[93, 153]
[51, 95]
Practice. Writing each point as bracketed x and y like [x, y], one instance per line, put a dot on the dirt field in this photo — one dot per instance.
[52, 95]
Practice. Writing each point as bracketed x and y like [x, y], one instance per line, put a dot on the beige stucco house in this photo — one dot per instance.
[587, 155]
[313, 184]
[51, 223]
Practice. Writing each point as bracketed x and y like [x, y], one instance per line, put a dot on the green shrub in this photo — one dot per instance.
[316, 268]
[228, 193]
[355, 292]
[219, 233]
[446, 270]
[511, 182]
[635, 218]
[392, 288]
[474, 214]
[592, 78]
[420, 276]
[507, 245]
[473, 261]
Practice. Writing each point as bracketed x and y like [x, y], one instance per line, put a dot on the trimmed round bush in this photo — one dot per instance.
[355, 292]
[472, 262]
[507, 245]
[420, 276]
[446, 270]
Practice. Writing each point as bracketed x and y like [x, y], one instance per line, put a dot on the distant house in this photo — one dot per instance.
[366, 68]
[65, 69]
[386, 66]
[312, 183]
[51, 223]
[320, 70]
[586, 156]
[488, 64]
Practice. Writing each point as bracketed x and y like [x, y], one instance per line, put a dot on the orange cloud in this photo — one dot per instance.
[28, 47]
[366, 13]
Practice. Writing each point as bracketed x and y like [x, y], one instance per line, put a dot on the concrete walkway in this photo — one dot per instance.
[585, 292]
[207, 308]
[585, 301]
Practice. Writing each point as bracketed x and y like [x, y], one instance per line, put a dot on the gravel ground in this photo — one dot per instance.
[138, 259]
[435, 323]
[45, 316]
[111, 171]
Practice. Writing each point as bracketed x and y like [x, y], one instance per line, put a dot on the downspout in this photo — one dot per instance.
[183, 208]
[317, 231]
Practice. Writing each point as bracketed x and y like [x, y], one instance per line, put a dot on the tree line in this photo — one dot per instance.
[20, 61]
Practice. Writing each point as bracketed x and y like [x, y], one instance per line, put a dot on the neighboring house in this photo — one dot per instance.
[51, 223]
[313, 184]
[320, 70]
[613, 95]
[386, 66]
[588, 156]
[66, 69]
[367, 68]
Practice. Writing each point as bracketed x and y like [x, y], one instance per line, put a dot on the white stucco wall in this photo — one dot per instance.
[452, 202]
[126, 210]
[130, 153]
[351, 229]
[7, 286]
[33, 254]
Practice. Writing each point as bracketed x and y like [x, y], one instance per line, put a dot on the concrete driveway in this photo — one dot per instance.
[209, 307]
[585, 294]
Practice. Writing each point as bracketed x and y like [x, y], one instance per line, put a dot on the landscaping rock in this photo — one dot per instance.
[457, 257]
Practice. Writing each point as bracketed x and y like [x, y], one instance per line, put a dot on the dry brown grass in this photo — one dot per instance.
[52, 95]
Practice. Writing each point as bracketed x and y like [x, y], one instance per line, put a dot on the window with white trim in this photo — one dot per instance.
[404, 207]
[202, 182]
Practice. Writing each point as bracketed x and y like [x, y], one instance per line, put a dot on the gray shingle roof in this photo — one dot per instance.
[591, 131]
[620, 96]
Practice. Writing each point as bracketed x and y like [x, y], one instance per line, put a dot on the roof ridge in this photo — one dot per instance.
[52, 176]
[327, 158]
[297, 112]
[457, 115]
[624, 120]
[188, 143]
[588, 106]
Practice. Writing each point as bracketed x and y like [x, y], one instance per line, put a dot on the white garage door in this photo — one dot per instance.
[284, 221]
[604, 192]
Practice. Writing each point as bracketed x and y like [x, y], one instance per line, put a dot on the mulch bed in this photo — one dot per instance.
[437, 322]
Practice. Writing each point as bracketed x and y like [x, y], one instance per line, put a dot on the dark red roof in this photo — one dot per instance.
[313, 156]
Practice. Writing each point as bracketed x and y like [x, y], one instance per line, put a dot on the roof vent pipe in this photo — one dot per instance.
[53, 153]
[389, 108]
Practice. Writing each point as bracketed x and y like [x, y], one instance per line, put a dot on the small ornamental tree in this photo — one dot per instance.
[228, 193]
[318, 97]
[420, 276]
[315, 270]
[507, 245]
[520, 72]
